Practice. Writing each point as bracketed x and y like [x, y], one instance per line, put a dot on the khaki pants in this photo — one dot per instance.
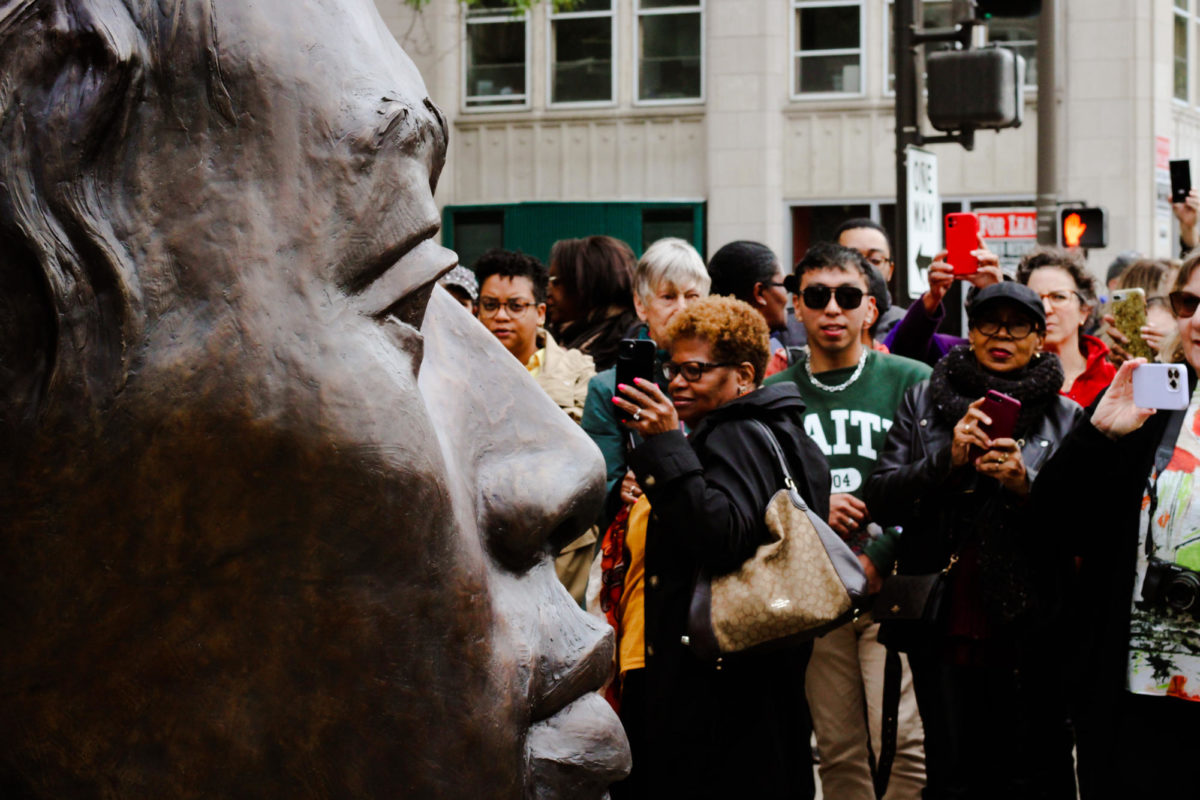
[844, 674]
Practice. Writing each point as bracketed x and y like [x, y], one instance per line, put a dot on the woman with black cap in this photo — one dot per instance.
[987, 668]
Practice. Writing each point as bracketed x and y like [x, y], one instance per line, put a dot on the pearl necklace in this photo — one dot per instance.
[862, 362]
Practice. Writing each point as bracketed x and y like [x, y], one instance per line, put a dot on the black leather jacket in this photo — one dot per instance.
[915, 487]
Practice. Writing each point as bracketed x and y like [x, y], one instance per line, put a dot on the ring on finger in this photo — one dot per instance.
[637, 415]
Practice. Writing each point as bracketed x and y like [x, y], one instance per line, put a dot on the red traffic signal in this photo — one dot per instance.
[1085, 228]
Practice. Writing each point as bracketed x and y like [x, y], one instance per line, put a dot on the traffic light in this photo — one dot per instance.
[986, 9]
[981, 88]
[1082, 227]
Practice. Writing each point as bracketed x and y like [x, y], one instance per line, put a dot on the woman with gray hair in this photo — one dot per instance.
[667, 277]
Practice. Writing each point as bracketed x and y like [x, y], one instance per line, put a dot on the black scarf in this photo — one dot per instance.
[958, 380]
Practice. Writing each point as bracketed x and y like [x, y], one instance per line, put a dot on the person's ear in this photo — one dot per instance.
[639, 306]
[541, 315]
[745, 377]
[759, 294]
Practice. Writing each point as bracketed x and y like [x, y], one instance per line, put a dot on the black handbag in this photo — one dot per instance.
[912, 598]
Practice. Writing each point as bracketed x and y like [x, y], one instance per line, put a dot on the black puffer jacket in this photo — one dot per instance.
[716, 730]
[916, 487]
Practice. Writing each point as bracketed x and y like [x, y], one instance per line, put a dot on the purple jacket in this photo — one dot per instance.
[916, 335]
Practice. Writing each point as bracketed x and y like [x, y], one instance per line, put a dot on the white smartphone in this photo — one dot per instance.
[1160, 386]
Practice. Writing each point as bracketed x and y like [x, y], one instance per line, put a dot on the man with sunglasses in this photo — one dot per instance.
[512, 306]
[851, 393]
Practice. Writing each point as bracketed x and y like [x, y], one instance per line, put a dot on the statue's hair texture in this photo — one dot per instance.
[74, 73]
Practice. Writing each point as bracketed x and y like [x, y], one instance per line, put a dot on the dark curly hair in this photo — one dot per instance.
[1069, 261]
[513, 264]
[733, 329]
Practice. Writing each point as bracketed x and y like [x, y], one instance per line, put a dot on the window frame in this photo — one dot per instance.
[635, 38]
[1185, 14]
[551, 17]
[889, 7]
[482, 18]
[794, 54]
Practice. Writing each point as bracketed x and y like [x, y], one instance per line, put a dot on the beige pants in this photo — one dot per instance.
[846, 671]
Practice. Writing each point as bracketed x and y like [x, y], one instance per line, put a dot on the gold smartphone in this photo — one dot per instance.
[1128, 308]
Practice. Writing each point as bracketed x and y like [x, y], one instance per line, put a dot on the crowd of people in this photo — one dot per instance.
[1063, 656]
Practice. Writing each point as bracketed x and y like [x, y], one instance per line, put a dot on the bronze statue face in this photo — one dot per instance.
[279, 515]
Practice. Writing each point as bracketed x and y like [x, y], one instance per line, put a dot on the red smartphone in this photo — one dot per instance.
[962, 237]
[1003, 411]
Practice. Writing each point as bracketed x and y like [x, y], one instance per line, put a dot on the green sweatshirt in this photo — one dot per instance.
[851, 426]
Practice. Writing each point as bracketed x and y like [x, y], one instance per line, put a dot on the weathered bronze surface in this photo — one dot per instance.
[245, 551]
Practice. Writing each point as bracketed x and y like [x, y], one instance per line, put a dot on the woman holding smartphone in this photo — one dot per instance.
[1137, 690]
[987, 669]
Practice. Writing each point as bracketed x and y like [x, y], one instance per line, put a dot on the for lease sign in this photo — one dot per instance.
[1009, 233]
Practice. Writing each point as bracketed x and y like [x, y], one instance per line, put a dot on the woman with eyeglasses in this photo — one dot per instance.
[1068, 292]
[1137, 632]
[725, 729]
[988, 669]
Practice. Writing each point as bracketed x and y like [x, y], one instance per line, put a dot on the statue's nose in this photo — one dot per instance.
[538, 481]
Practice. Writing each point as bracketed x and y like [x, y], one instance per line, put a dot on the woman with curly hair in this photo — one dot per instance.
[699, 729]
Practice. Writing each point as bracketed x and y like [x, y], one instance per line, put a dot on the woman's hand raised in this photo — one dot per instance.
[650, 411]
[1116, 414]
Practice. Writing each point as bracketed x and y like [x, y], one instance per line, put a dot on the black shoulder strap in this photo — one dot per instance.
[783, 464]
[1162, 457]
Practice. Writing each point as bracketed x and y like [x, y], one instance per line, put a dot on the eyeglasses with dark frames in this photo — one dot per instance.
[817, 296]
[1184, 303]
[1015, 328]
[691, 371]
[490, 306]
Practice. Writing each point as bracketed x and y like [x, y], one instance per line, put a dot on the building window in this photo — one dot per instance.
[827, 47]
[476, 232]
[496, 56]
[670, 49]
[938, 14]
[581, 53]
[1181, 50]
[1019, 35]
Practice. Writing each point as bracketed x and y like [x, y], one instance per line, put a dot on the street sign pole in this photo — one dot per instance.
[905, 18]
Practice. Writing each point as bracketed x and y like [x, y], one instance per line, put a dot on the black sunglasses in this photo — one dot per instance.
[1183, 303]
[691, 371]
[817, 296]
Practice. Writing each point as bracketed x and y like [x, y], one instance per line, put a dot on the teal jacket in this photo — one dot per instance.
[601, 424]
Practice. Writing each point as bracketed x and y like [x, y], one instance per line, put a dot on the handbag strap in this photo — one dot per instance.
[1162, 456]
[783, 465]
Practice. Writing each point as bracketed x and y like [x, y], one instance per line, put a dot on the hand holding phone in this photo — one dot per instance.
[635, 359]
[1181, 180]
[962, 239]
[1160, 386]
[1128, 309]
[1003, 411]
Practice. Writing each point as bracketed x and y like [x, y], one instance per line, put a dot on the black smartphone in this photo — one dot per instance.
[635, 359]
[1181, 180]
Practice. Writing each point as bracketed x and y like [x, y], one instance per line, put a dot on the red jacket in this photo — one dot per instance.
[1096, 376]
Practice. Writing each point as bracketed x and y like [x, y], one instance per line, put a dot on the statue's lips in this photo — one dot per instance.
[579, 751]
[587, 674]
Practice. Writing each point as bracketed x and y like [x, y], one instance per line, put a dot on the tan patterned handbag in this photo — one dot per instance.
[802, 582]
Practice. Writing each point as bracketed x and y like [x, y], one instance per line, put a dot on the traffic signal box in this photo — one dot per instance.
[1085, 228]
